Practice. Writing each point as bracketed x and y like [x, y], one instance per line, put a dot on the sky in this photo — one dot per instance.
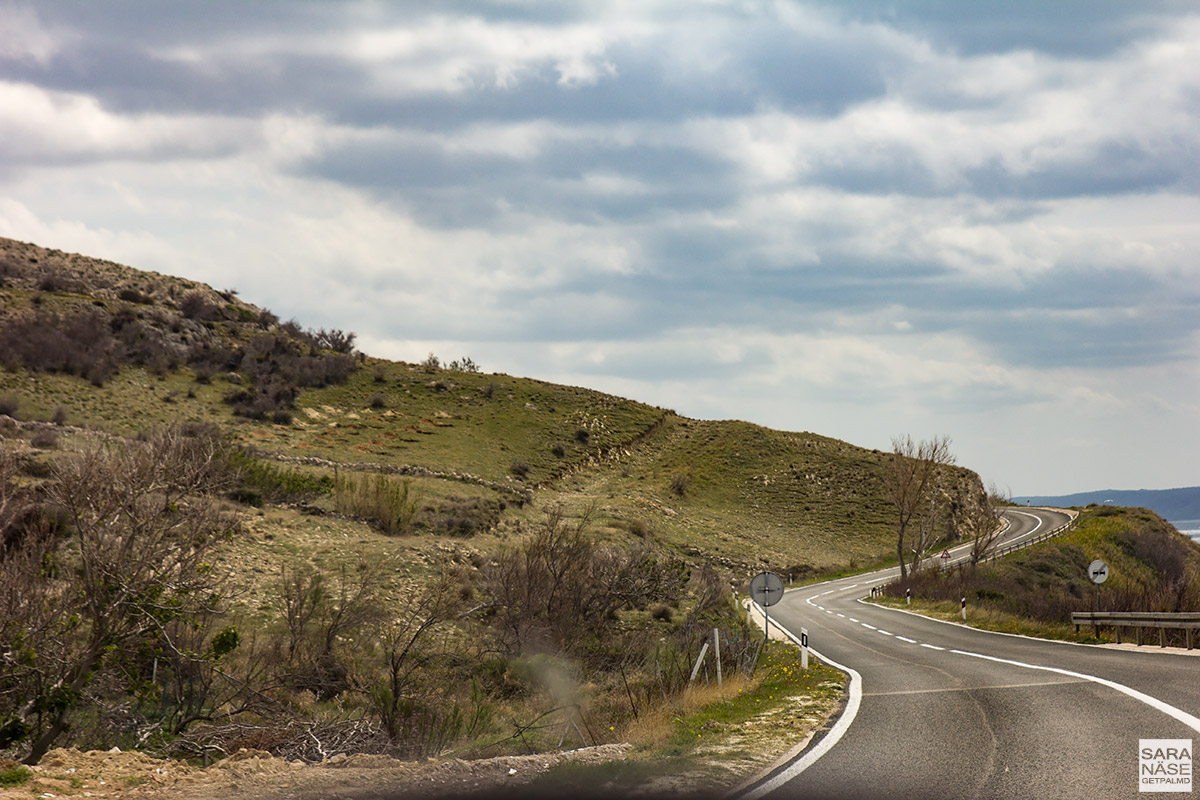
[862, 219]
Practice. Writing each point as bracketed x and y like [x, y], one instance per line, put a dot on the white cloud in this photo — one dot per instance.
[26, 40]
[37, 126]
[750, 249]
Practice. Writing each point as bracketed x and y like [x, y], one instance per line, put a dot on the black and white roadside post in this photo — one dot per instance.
[804, 649]
[964, 607]
[766, 589]
[908, 596]
[1098, 572]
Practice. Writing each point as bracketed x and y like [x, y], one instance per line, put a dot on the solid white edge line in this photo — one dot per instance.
[826, 744]
[1147, 652]
[1166, 708]
[839, 728]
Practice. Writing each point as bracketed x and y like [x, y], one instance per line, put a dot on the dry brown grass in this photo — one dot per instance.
[655, 726]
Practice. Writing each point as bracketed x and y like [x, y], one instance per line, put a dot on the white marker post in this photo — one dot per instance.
[717, 652]
[804, 649]
[699, 661]
[964, 607]
[908, 596]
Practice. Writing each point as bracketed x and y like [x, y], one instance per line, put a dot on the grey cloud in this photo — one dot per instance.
[815, 75]
[1070, 317]
[1113, 168]
[468, 189]
[1077, 28]
[693, 273]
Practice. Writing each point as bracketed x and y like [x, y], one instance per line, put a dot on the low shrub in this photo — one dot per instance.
[389, 505]
[194, 306]
[259, 481]
[461, 516]
[134, 296]
[44, 440]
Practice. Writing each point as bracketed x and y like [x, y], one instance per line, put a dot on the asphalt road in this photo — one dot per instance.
[943, 711]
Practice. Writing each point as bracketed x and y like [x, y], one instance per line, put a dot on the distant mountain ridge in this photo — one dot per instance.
[1171, 504]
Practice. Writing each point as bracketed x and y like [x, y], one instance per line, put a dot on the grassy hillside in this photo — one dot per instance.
[1152, 567]
[734, 492]
[218, 529]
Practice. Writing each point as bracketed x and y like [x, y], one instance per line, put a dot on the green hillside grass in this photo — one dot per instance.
[453, 471]
[739, 494]
[1152, 567]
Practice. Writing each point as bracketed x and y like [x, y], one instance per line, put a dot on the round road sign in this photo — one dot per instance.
[766, 588]
[1098, 571]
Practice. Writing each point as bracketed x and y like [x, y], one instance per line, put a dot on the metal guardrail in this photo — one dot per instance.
[993, 554]
[1186, 621]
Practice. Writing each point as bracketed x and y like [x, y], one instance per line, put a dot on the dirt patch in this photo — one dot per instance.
[255, 775]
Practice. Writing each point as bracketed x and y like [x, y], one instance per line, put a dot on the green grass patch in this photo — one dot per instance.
[991, 619]
[782, 678]
[13, 775]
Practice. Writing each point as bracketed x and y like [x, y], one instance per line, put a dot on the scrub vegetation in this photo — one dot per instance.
[223, 531]
[1152, 567]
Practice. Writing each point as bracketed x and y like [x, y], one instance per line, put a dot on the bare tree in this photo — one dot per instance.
[979, 521]
[561, 588]
[138, 522]
[912, 476]
[320, 615]
[32, 608]
[407, 651]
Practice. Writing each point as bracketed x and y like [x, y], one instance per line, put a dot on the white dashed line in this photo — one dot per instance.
[852, 619]
[886, 633]
[906, 639]
[865, 625]
[932, 646]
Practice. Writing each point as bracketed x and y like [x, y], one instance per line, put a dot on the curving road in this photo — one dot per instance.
[938, 710]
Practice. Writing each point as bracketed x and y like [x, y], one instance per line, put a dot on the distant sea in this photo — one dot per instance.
[1188, 527]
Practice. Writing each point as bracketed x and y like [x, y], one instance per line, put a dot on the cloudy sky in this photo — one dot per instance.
[862, 219]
